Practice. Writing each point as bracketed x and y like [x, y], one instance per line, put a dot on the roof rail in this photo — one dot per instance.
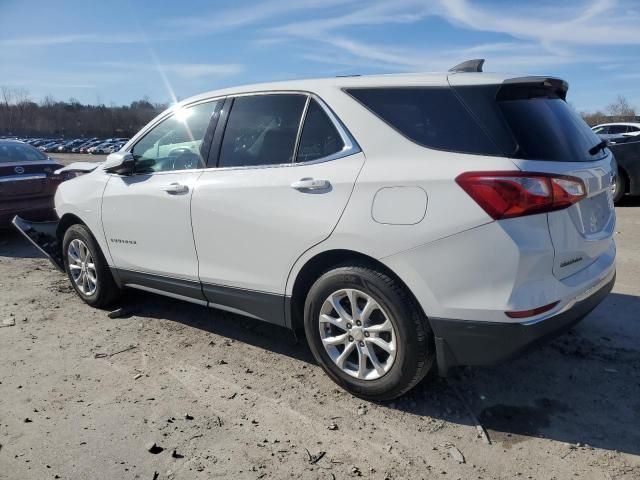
[469, 66]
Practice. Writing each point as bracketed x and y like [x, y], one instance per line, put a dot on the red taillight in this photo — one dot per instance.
[532, 312]
[515, 194]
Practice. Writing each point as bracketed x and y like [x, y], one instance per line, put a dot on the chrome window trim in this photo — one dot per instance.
[143, 133]
[351, 146]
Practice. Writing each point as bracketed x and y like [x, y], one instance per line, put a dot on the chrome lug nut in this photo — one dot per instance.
[350, 338]
[349, 325]
[366, 334]
[361, 344]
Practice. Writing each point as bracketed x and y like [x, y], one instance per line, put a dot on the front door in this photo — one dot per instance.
[146, 216]
[281, 184]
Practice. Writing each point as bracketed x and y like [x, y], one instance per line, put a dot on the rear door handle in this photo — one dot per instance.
[306, 184]
[174, 188]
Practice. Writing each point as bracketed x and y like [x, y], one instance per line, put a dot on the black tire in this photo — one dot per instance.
[622, 183]
[414, 351]
[106, 289]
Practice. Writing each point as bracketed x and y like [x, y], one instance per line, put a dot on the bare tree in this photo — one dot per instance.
[621, 109]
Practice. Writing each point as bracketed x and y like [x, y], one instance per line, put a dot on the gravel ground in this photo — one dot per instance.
[221, 396]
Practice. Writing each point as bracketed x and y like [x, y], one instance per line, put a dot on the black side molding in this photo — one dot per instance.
[43, 236]
[465, 342]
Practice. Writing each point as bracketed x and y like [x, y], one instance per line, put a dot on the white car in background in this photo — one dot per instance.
[406, 222]
[609, 131]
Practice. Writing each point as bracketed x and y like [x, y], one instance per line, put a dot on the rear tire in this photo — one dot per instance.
[387, 319]
[621, 186]
[87, 268]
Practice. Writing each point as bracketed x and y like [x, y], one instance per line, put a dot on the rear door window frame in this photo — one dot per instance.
[351, 147]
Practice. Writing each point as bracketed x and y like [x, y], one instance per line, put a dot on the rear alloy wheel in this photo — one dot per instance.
[87, 268]
[357, 334]
[367, 332]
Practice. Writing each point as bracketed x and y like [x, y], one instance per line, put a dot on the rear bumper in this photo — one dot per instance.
[463, 342]
[33, 208]
[43, 236]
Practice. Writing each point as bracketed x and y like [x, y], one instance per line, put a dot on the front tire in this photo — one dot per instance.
[367, 332]
[87, 268]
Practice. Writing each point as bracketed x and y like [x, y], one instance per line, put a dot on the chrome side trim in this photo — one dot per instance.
[15, 178]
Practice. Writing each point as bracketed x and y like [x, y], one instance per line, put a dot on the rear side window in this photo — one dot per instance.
[615, 129]
[262, 130]
[319, 137]
[430, 116]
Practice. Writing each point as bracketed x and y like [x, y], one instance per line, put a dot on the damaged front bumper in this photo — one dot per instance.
[43, 236]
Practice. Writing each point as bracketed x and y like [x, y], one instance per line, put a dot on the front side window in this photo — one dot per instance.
[262, 130]
[319, 138]
[175, 143]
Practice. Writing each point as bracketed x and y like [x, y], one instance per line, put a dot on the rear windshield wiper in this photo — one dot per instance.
[600, 146]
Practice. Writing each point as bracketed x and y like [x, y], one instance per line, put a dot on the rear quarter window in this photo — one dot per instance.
[432, 117]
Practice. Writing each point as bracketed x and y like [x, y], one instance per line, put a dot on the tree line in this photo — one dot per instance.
[21, 116]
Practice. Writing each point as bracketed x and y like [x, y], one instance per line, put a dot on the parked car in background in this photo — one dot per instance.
[27, 182]
[306, 202]
[627, 156]
[608, 131]
[101, 148]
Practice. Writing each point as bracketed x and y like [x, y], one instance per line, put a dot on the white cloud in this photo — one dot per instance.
[48, 40]
[184, 70]
[226, 19]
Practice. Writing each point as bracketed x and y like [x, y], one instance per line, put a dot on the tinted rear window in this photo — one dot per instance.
[432, 117]
[18, 152]
[514, 120]
[549, 129]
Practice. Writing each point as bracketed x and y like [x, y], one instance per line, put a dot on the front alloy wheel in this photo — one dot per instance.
[87, 268]
[82, 267]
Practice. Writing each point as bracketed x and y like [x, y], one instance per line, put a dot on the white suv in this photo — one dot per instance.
[404, 221]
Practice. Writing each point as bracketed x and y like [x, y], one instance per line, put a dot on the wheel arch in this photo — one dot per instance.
[67, 220]
[327, 260]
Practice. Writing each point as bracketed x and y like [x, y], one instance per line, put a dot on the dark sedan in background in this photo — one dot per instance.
[27, 182]
[627, 153]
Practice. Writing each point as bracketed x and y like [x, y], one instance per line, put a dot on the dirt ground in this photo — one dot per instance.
[221, 396]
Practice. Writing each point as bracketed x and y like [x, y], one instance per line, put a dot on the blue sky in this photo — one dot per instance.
[121, 50]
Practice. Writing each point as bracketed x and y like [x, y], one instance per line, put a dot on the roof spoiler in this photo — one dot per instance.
[468, 66]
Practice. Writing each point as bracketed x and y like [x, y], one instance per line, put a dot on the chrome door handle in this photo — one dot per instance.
[174, 188]
[311, 184]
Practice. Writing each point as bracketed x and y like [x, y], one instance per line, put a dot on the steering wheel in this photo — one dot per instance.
[183, 159]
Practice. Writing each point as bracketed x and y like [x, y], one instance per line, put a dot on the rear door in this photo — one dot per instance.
[279, 188]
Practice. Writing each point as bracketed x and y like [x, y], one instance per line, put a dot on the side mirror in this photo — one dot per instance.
[121, 163]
